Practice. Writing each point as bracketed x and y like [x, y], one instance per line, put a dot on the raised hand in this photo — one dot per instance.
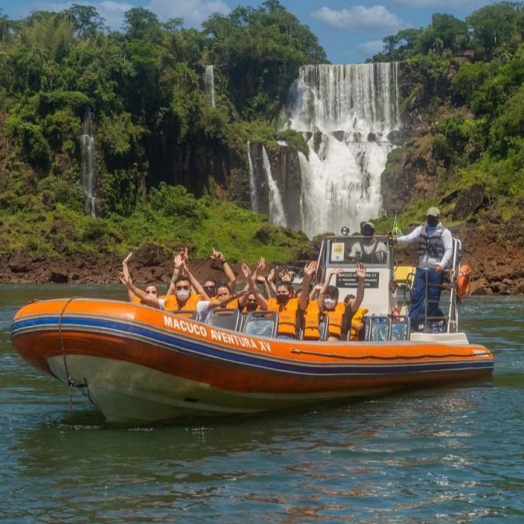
[361, 270]
[310, 268]
[285, 275]
[128, 257]
[245, 269]
[184, 268]
[179, 261]
[125, 279]
[217, 256]
[260, 265]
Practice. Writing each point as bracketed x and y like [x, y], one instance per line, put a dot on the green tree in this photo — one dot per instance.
[495, 25]
[260, 51]
[142, 24]
[86, 20]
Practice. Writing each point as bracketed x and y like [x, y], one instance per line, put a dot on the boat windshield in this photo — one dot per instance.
[372, 251]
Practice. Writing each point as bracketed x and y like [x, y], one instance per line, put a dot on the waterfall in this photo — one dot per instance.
[209, 80]
[88, 171]
[276, 208]
[265, 193]
[253, 186]
[346, 113]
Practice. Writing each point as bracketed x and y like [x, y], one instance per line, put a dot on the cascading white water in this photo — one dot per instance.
[346, 113]
[276, 208]
[252, 181]
[265, 195]
[209, 79]
[88, 174]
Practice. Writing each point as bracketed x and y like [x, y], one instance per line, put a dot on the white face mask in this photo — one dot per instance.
[182, 294]
[329, 303]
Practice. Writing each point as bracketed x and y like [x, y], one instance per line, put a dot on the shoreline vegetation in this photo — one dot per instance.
[494, 271]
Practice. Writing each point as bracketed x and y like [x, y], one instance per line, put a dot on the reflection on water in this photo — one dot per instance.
[446, 454]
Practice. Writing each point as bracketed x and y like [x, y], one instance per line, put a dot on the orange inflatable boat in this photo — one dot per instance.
[140, 365]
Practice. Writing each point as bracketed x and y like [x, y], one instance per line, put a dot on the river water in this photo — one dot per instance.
[452, 454]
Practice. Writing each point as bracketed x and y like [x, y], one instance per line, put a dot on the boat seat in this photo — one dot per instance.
[225, 318]
[261, 323]
[377, 328]
[400, 327]
[187, 313]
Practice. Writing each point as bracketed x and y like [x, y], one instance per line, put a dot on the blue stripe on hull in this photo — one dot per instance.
[180, 343]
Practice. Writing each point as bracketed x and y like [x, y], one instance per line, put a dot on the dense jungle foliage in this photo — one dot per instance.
[172, 167]
[464, 84]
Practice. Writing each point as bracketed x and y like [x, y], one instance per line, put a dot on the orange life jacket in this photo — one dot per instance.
[230, 305]
[171, 303]
[311, 321]
[287, 315]
[138, 300]
[336, 316]
[357, 318]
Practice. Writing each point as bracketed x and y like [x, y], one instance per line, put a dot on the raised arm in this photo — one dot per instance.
[127, 276]
[252, 288]
[325, 285]
[195, 284]
[357, 301]
[258, 277]
[146, 298]
[309, 271]
[219, 258]
[315, 291]
[178, 266]
[271, 282]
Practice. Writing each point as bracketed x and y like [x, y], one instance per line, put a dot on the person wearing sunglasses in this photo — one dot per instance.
[210, 284]
[210, 287]
[183, 297]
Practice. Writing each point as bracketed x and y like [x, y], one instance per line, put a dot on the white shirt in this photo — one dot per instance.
[202, 310]
[425, 260]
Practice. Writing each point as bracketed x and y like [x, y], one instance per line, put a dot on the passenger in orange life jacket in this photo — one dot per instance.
[257, 300]
[284, 275]
[147, 297]
[287, 306]
[353, 323]
[185, 291]
[210, 284]
[223, 298]
[184, 298]
[151, 290]
[338, 312]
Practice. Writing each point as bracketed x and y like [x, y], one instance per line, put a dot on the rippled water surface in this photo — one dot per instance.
[451, 454]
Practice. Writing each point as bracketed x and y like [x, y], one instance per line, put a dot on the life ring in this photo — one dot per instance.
[464, 281]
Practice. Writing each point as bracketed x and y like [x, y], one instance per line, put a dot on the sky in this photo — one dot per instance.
[349, 31]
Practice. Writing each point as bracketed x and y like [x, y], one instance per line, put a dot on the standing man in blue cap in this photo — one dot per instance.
[435, 249]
